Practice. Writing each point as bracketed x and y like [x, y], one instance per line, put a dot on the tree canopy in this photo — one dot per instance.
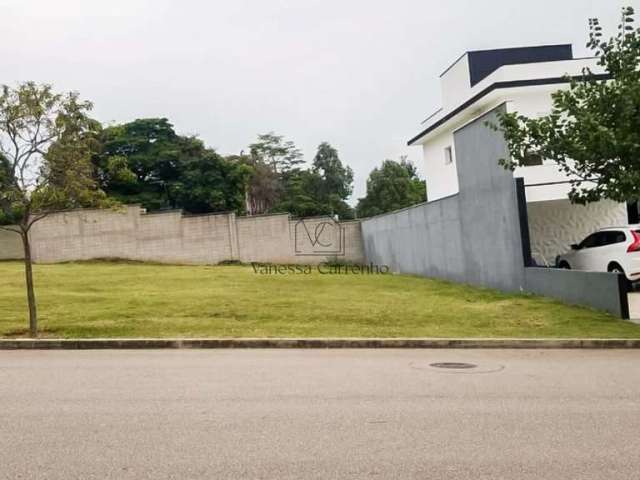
[321, 190]
[273, 161]
[392, 186]
[146, 162]
[593, 130]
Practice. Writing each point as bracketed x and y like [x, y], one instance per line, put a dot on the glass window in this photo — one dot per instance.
[591, 241]
[602, 239]
[448, 156]
[613, 237]
[532, 159]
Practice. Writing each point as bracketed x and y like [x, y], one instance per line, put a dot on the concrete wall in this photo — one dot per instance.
[556, 224]
[472, 237]
[601, 290]
[422, 240]
[10, 246]
[172, 237]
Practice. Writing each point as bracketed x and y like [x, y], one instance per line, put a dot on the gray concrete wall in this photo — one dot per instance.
[472, 237]
[425, 240]
[600, 290]
[172, 237]
[10, 246]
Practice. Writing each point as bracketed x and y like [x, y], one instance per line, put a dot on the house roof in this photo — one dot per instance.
[507, 67]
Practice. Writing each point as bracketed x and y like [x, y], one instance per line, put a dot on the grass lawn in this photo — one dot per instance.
[102, 299]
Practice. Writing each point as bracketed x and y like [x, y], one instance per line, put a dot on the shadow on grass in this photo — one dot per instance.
[24, 333]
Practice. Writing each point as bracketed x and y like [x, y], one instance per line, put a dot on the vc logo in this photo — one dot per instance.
[319, 237]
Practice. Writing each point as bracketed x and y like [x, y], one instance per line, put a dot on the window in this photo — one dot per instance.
[602, 239]
[591, 241]
[448, 156]
[532, 159]
[613, 237]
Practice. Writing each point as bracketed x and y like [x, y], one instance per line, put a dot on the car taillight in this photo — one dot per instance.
[635, 246]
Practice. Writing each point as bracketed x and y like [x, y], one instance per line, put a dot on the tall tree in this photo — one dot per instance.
[274, 161]
[273, 150]
[392, 186]
[46, 143]
[321, 190]
[593, 130]
[335, 183]
[138, 162]
[146, 162]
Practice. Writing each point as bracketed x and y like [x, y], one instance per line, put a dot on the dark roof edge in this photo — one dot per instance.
[498, 86]
[506, 48]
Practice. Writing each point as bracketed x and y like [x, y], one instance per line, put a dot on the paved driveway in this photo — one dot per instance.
[319, 414]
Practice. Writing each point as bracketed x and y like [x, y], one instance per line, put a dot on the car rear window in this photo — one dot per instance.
[617, 237]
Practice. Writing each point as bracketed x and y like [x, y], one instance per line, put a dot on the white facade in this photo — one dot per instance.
[525, 88]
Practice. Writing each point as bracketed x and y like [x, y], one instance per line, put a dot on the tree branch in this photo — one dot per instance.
[9, 229]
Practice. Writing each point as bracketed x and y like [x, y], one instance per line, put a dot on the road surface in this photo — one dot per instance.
[319, 414]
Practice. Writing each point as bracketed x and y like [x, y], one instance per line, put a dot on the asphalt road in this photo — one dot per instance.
[316, 414]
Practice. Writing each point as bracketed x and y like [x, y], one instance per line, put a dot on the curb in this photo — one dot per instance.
[317, 343]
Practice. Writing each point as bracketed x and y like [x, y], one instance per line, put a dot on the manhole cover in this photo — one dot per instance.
[453, 365]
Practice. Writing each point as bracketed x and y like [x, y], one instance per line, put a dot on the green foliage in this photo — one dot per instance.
[392, 186]
[46, 143]
[335, 183]
[211, 183]
[274, 151]
[274, 162]
[300, 197]
[279, 184]
[593, 131]
[146, 162]
[321, 190]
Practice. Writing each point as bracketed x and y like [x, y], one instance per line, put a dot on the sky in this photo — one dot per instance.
[358, 74]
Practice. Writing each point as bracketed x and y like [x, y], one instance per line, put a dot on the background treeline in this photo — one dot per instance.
[147, 162]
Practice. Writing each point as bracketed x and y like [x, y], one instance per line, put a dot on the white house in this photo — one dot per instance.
[523, 80]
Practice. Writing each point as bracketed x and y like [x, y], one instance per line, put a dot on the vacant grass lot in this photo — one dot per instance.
[102, 299]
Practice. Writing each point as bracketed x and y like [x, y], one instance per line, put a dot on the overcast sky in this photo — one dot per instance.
[360, 74]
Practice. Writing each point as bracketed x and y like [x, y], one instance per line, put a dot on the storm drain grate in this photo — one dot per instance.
[453, 365]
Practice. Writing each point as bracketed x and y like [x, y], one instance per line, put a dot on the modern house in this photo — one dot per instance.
[521, 80]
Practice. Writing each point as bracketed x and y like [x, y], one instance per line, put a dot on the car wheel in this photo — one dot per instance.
[564, 265]
[615, 268]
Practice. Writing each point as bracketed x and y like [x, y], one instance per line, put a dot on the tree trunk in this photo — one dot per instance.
[31, 296]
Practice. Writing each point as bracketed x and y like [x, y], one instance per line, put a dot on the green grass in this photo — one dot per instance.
[102, 299]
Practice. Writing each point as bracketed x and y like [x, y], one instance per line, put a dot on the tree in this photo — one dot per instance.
[46, 143]
[320, 190]
[210, 183]
[146, 162]
[593, 130]
[392, 186]
[273, 160]
[300, 195]
[138, 162]
[280, 154]
[336, 181]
